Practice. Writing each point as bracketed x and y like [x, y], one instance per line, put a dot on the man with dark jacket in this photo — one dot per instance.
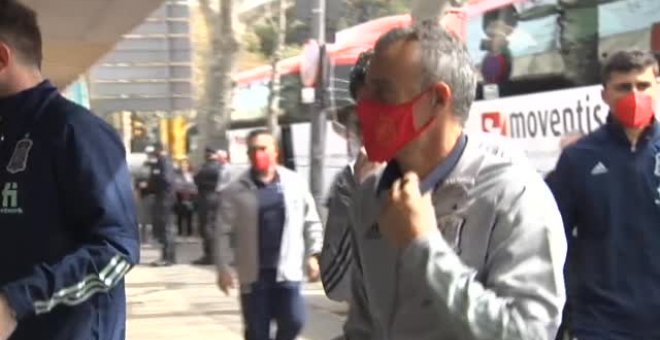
[161, 184]
[67, 213]
[207, 180]
[607, 186]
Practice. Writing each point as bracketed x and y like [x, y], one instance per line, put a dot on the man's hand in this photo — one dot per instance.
[313, 269]
[7, 319]
[407, 214]
[226, 281]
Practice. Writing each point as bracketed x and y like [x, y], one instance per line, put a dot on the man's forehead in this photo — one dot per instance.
[263, 140]
[645, 75]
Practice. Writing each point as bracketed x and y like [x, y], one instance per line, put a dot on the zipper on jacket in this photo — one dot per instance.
[395, 301]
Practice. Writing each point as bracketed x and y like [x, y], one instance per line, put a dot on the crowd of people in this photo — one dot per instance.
[179, 201]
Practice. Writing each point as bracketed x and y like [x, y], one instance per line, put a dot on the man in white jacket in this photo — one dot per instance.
[457, 238]
[278, 240]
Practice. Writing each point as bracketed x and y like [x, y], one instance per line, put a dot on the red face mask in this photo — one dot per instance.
[635, 110]
[262, 161]
[386, 129]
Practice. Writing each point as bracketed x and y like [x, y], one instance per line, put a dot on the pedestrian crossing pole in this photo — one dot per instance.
[319, 113]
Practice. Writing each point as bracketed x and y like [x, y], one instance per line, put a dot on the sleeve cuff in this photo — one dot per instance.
[21, 307]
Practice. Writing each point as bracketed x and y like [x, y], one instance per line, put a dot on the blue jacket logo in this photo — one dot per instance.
[9, 200]
[19, 158]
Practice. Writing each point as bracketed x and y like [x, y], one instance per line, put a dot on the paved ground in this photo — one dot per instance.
[182, 302]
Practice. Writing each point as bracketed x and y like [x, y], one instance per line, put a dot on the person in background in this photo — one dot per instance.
[186, 192]
[458, 238]
[607, 186]
[222, 156]
[144, 199]
[278, 234]
[207, 180]
[161, 184]
[67, 212]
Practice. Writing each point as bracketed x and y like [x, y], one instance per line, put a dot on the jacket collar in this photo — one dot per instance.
[247, 178]
[25, 101]
[433, 180]
[616, 130]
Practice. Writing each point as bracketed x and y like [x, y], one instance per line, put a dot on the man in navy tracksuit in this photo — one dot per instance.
[161, 184]
[607, 186]
[68, 230]
[207, 180]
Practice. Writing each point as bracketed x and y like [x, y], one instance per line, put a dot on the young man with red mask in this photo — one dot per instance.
[278, 234]
[458, 238]
[607, 186]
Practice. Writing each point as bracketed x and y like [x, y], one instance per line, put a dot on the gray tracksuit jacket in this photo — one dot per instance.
[336, 259]
[492, 270]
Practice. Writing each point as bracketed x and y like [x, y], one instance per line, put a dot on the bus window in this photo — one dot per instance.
[537, 46]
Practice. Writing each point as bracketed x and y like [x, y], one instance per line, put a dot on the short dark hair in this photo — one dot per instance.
[19, 29]
[628, 61]
[258, 132]
[358, 73]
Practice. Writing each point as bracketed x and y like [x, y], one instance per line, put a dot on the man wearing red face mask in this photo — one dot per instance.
[607, 186]
[278, 233]
[457, 238]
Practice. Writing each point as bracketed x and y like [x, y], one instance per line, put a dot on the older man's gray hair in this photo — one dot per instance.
[444, 59]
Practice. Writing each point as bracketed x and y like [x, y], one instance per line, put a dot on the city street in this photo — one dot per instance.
[183, 302]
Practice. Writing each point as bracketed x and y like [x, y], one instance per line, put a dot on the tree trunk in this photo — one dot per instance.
[223, 66]
[210, 20]
[215, 114]
[275, 86]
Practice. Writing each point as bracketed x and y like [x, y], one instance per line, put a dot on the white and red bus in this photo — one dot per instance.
[535, 109]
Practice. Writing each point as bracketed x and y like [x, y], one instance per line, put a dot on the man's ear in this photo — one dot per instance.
[604, 96]
[5, 56]
[442, 93]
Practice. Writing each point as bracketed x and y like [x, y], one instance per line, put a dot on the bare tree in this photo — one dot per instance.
[275, 86]
[214, 117]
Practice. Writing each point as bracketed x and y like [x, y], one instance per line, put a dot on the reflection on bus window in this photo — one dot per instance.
[522, 48]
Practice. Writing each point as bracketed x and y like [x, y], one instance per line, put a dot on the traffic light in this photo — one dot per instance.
[173, 133]
[178, 140]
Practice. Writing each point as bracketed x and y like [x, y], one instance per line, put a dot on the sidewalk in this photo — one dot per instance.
[183, 302]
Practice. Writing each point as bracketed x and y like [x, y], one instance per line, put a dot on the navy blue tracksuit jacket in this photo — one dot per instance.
[610, 193]
[68, 230]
